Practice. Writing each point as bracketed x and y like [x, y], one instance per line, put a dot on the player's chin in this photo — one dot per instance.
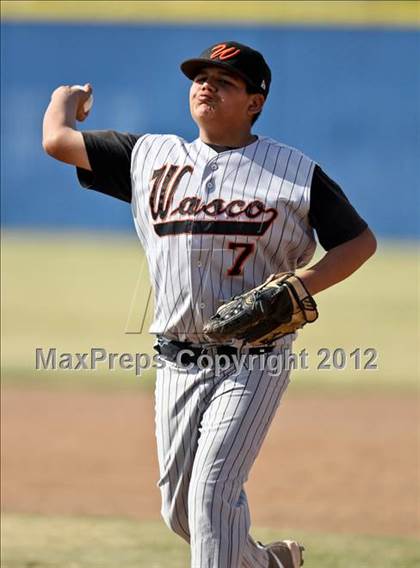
[205, 111]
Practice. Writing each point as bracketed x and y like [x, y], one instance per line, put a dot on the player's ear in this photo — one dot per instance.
[256, 103]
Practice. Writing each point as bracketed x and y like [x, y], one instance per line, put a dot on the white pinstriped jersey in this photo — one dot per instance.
[215, 224]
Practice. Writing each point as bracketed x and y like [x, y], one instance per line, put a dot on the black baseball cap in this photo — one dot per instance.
[236, 58]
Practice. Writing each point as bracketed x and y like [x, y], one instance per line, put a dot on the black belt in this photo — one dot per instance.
[170, 349]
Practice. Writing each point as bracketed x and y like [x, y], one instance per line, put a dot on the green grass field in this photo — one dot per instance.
[323, 12]
[75, 292]
[71, 542]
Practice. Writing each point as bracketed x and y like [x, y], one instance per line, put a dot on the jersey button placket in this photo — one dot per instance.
[199, 242]
[196, 263]
[210, 185]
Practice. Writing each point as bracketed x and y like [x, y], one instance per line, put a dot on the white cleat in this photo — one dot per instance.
[285, 554]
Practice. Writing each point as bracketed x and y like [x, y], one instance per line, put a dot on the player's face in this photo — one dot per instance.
[217, 96]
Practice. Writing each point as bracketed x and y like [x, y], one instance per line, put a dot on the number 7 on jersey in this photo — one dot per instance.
[237, 267]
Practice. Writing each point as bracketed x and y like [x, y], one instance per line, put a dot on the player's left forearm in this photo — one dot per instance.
[339, 263]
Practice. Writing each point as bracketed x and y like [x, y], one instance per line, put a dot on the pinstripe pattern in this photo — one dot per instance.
[209, 432]
[189, 270]
[209, 429]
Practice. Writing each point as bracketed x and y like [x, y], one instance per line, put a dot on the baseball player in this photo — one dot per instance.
[227, 214]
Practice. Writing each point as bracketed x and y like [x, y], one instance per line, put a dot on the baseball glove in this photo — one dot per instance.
[279, 306]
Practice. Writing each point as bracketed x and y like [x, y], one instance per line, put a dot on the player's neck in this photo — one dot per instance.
[231, 139]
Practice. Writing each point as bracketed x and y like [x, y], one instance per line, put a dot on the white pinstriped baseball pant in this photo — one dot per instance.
[209, 432]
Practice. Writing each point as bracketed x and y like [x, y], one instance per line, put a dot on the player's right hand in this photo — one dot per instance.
[84, 98]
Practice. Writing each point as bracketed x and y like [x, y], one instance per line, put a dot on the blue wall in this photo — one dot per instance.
[348, 98]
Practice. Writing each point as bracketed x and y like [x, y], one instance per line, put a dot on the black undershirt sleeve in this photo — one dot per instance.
[331, 214]
[109, 154]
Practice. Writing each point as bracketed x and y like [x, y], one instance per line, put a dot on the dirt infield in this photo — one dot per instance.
[337, 464]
